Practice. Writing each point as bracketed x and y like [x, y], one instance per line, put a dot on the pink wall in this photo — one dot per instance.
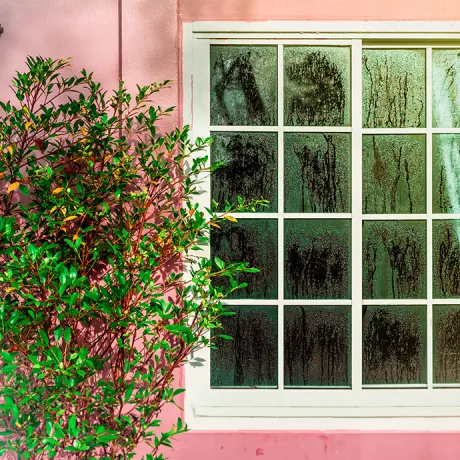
[88, 31]
[82, 29]
[263, 10]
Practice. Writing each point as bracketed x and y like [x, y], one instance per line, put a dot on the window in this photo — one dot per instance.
[354, 320]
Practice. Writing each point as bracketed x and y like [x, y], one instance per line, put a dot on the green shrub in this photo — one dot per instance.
[97, 216]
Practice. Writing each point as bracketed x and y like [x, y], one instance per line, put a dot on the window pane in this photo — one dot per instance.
[317, 346]
[318, 259]
[394, 344]
[317, 172]
[394, 173]
[394, 260]
[317, 86]
[446, 88]
[446, 173]
[251, 358]
[244, 85]
[251, 168]
[253, 241]
[393, 88]
[446, 342]
[446, 259]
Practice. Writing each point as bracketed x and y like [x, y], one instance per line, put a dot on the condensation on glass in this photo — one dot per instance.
[394, 174]
[253, 241]
[317, 86]
[250, 169]
[394, 88]
[317, 172]
[244, 87]
[446, 88]
[394, 345]
[446, 173]
[317, 259]
[446, 343]
[251, 358]
[394, 260]
[317, 346]
[446, 258]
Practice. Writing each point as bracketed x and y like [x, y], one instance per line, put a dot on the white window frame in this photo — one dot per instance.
[416, 407]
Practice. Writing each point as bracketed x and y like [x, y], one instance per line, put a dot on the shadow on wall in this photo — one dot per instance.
[85, 30]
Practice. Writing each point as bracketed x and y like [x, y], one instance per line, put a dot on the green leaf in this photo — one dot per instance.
[67, 335]
[9, 368]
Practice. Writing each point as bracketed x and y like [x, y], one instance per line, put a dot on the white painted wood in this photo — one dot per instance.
[280, 218]
[361, 407]
[356, 222]
[429, 210]
[388, 28]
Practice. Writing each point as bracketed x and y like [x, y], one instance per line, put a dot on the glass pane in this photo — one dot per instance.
[394, 260]
[394, 172]
[317, 172]
[317, 258]
[253, 241]
[317, 346]
[244, 86]
[446, 173]
[251, 358]
[251, 168]
[394, 344]
[317, 86]
[393, 88]
[446, 259]
[446, 343]
[446, 88]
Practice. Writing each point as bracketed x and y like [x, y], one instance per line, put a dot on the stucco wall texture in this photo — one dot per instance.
[140, 40]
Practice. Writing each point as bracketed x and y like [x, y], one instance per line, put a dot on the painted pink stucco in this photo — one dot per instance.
[88, 31]
[263, 10]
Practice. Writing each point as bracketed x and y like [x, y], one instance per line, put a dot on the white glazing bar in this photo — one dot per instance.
[377, 131]
[446, 302]
[445, 130]
[429, 210]
[288, 129]
[445, 216]
[317, 129]
[246, 129]
[356, 226]
[395, 386]
[280, 218]
[394, 216]
[285, 41]
[422, 302]
[313, 302]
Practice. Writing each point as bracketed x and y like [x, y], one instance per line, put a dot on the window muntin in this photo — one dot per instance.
[408, 305]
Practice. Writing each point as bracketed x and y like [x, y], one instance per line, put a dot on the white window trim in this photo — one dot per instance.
[316, 409]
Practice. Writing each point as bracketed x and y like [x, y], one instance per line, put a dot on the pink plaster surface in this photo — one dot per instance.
[263, 10]
[87, 30]
[316, 446]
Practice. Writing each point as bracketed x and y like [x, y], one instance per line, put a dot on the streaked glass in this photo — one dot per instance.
[317, 86]
[244, 86]
[253, 241]
[394, 344]
[317, 172]
[251, 358]
[251, 170]
[317, 346]
[394, 172]
[394, 259]
[317, 259]
[394, 88]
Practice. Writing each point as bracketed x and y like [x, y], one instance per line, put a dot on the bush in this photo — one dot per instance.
[97, 311]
